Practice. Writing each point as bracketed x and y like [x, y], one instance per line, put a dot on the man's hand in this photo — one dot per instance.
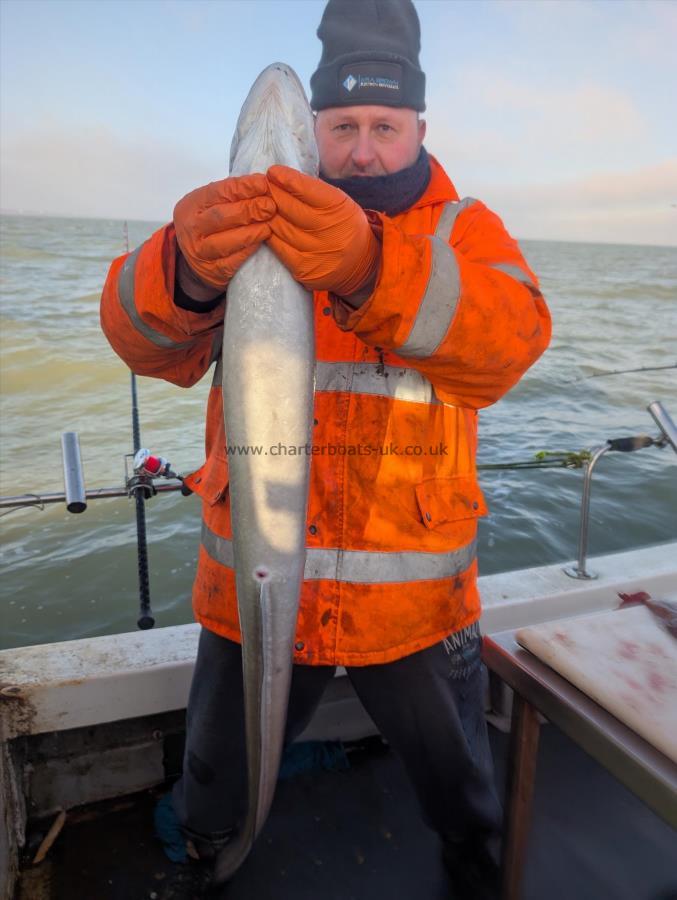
[219, 226]
[322, 236]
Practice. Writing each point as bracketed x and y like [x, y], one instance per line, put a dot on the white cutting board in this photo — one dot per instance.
[624, 659]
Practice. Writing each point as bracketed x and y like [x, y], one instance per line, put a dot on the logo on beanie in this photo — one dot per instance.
[370, 81]
[376, 81]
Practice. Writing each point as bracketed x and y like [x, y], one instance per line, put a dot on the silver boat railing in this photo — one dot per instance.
[667, 436]
[147, 469]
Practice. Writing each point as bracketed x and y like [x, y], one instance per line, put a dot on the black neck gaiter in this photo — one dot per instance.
[389, 194]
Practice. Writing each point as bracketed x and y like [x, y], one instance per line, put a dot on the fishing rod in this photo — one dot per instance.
[623, 372]
[141, 486]
[141, 492]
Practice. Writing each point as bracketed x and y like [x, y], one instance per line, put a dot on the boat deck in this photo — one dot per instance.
[357, 835]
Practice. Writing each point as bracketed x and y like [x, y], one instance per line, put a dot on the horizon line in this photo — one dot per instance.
[48, 215]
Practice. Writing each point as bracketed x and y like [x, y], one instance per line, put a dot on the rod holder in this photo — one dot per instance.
[73, 476]
[623, 445]
[579, 571]
[662, 418]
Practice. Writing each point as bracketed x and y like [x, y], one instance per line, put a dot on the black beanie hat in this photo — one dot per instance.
[370, 54]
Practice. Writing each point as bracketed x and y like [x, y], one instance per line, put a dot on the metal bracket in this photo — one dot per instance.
[623, 445]
[579, 570]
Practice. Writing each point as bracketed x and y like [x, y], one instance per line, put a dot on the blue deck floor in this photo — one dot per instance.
[357, 835]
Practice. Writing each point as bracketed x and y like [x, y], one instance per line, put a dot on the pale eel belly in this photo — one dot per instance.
[268, 384]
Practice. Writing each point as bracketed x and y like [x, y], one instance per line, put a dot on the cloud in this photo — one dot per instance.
[637, 207]
[527, 130]
[94, 172]
[586, 112]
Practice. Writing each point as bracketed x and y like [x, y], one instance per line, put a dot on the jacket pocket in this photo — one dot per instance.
[210, 481]
[444, 500]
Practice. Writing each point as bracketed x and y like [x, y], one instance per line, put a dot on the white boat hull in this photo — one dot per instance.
[107, 702]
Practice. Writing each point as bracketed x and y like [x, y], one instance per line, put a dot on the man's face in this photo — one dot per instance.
[367, 140]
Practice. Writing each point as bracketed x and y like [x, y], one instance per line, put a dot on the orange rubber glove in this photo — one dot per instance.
[322, 236]
[222, 224]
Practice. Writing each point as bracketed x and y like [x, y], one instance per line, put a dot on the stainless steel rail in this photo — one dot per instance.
[625, 445]
[95, 494]
[662, 418]
[579, 570]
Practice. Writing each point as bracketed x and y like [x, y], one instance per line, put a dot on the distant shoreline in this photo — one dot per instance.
[26, 214]
[158, 223]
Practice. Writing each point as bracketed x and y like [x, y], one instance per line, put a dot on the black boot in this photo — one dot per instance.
[193, 879]
[473, 870]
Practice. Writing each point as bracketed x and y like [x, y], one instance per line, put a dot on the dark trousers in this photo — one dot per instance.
[428, 706]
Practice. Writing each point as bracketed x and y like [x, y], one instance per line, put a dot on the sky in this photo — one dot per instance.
[558, 114]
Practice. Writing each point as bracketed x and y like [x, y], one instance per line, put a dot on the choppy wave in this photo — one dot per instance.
[73, 576]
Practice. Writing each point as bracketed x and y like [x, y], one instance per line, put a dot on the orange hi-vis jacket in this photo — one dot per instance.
[455, 319]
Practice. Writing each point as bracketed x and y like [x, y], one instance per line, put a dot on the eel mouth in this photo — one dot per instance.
[289, 73]
[275, 121]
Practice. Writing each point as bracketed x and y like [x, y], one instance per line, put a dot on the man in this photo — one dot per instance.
[425, 311]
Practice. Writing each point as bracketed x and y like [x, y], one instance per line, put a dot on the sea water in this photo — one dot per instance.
[70, 576]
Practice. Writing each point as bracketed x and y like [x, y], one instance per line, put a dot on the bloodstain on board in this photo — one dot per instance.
[564, 639]
[632, 599]
[657, 682]
[628, 649]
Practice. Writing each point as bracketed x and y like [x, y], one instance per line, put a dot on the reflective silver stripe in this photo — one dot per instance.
[374, 378]
[126, 294]
[217, 377]
[371, 567]
[438, 303]
[393, 382]
[220, 549]
[515, 272]
[445, 226]
[362, 566]
[440, 299]
[449, 214]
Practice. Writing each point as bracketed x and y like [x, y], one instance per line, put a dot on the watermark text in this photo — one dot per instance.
[389, 449]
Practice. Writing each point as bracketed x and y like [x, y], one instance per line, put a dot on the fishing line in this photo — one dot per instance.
[622, 372]
[544, 459]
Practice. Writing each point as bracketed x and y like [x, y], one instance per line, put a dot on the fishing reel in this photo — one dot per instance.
[146, 467]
